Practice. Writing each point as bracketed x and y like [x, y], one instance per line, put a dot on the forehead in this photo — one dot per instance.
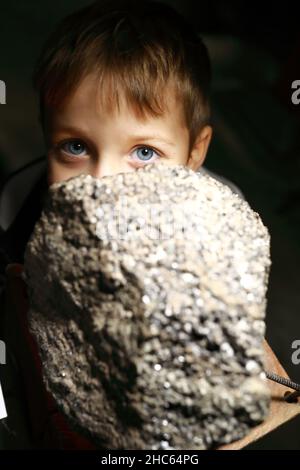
[103, 101]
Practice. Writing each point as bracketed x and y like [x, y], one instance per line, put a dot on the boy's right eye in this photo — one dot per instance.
[74, 148]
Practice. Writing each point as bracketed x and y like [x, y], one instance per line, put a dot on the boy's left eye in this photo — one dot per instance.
[145, 153]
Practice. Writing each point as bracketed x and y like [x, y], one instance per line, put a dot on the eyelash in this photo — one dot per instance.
[73, 158]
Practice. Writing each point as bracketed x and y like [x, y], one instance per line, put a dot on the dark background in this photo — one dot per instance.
[255, 52]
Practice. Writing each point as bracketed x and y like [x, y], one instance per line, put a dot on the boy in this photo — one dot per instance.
[121, 85]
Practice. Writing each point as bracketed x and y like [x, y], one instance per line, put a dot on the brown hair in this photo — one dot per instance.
[136, 47]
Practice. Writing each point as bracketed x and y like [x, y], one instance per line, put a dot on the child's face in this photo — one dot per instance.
[82, 138]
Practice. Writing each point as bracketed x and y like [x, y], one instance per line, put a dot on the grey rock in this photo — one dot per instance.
[147, 301]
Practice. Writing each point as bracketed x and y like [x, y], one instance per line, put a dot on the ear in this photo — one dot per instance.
[199, 150]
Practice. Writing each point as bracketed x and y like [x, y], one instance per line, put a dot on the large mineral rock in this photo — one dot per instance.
[148, 295]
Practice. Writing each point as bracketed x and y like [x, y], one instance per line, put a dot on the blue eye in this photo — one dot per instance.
[74, 147]
[146, 154]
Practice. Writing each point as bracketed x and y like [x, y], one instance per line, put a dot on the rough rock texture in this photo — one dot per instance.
[151, 336]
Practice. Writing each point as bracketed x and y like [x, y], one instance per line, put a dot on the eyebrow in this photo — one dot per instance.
[151, 138]
[130, 137]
